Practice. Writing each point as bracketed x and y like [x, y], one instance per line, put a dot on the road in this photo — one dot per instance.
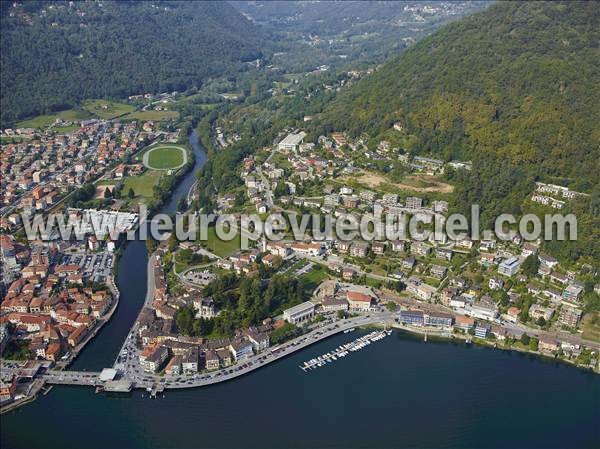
[142, 379]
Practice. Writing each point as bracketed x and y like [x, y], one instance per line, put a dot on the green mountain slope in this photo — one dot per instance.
[518, 83]
[54, 54]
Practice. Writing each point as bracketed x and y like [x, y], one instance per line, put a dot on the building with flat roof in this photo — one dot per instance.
[301, 312]
[439, 319]
[509, 267]
[291, 141]
[108, 374]
[412, 317]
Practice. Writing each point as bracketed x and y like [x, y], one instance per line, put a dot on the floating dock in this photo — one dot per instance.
[344, 350]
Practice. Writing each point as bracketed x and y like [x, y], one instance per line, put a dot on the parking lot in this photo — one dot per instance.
[96, 266]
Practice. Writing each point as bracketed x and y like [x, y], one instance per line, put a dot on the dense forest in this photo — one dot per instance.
[519, 80]
[515, 89]
[243, 301]
[55, 54]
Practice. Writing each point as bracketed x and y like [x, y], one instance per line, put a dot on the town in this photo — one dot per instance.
[502, 293]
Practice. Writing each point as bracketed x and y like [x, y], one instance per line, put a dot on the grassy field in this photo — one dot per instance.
[591, 326]
[65, 129]
[416, 182]
[42, 121]
[142, 185]
[165, 157]
[152, 115]
[106, 109]
[315, 276]
[219, 247]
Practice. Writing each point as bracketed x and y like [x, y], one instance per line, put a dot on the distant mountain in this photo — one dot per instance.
[54, 54]
[353, 31]
[515, 87]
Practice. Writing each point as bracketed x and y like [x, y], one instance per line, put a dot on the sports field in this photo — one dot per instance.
[165, 157]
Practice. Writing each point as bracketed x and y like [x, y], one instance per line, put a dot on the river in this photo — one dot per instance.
[400, 392]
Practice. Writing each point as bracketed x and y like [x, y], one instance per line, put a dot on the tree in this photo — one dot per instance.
[391, 306]
[182, 204]
[281, 189]
[531, 265]
[534, 344]
[541, 321]
[107, 193]
[342, 314]
[525, 339]
[151, 245]
[130, 193]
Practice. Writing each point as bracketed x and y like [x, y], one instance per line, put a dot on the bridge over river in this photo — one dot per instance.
[119, 380]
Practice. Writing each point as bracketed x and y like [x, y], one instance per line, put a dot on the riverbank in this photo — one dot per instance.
[90, 344]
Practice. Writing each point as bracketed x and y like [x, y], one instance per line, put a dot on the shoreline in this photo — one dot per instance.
[369, 322]
[458, 338]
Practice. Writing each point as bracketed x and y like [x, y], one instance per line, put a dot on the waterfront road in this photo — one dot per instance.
[141, 379]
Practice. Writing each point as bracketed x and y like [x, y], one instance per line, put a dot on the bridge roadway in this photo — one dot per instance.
[150, 381]
[83, 378]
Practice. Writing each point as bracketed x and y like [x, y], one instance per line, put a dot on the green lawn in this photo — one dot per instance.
[106, 109]
[315, 276]
[65, 129]
[142, 185]
[165, 157]
[152, 115]
[220, 247]
[591, 326]
[42, 121]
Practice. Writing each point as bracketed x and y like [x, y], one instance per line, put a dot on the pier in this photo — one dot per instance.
[344, 350]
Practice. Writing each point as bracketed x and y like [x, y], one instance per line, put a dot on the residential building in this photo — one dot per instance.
[536, 312]
[241, 350]
[483, 309]
[438, 319]
[174, 366]
[482, 330]
[8, 387]
[495, 283]
[189, 361]
[359, 249]
[359, 301]
[211, 359]
[464, 322]
[509, 267]
[155, 360]
[408, 263]
[548, 345]
[420, 249]
[333, 304]
[259, 340]
[572, 293]
[438, 271]
[414, 203]
[569, 316]
[412, 317]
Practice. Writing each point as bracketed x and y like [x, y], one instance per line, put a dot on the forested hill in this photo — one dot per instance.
[54, 54]
[516, 88]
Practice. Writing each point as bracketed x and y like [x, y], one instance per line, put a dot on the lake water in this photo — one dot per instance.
[399, 392]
